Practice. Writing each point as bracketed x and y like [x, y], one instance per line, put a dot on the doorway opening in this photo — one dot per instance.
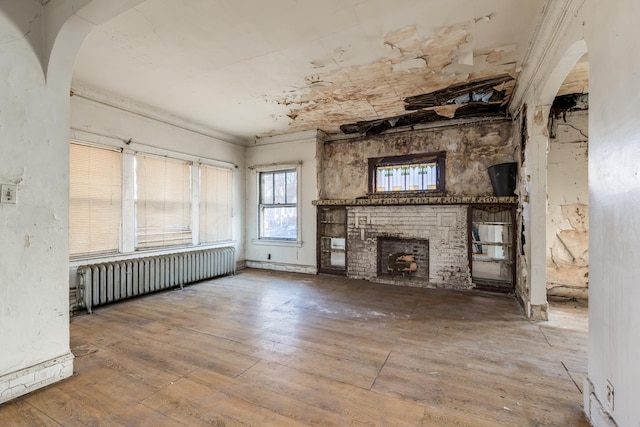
[567, 238]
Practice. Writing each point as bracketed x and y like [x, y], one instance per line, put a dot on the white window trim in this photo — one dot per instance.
[257, 240]
[122, 195]
[127, 246]
[196, 206]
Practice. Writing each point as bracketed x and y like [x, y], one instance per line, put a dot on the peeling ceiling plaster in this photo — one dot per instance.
[577, 80]
[258, 68]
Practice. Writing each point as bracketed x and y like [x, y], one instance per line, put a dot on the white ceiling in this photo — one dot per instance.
[249, 67]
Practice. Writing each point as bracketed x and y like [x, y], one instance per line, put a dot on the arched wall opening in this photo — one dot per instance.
[39, 47]
[540, 139]
[534, 110]
[568, 190]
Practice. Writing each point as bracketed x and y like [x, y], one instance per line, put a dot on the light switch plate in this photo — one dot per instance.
[8, 193]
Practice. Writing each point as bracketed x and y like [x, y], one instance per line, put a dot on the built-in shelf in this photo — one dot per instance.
[434, 200]
[480, 242]
[491, 246]
[498, 260]
[332, 239]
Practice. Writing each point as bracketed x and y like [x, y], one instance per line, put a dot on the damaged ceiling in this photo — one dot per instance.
[251, 68]
[577, 81]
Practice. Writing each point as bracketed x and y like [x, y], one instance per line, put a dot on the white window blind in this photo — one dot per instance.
[215, 204]
[163, 202]
[95, 200]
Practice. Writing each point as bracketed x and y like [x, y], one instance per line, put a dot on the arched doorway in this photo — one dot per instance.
[567, 189]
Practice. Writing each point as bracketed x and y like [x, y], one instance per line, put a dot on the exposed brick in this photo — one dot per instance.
[445, 227]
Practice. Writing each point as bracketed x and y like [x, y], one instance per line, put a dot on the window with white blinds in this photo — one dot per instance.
[215, 204]
[163, 202]
[95, 200]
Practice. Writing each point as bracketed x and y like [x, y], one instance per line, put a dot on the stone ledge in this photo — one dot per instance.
[436, 200]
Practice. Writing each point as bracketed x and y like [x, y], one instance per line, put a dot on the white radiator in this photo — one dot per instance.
[107, 282]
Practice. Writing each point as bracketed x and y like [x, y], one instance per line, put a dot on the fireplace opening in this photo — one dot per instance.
[403, 258]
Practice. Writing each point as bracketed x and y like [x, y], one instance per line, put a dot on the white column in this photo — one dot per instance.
[536, 154]
[128, 227]
[195, 204]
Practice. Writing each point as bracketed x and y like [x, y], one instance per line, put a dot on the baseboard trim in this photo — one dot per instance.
[538, 311]
[19, 383]
[292, 268]
[595, 411]
[533, 311]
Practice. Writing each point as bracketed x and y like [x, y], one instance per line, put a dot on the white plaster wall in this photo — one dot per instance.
[284, 149]
[614, 196]
[611, 34]
[568, 198]
[34, 319]
[106, 125]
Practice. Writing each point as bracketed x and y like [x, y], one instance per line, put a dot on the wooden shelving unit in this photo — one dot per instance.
[332, 239]
[491, 246]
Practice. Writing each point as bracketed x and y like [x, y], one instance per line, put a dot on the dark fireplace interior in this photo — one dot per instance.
[393, 248]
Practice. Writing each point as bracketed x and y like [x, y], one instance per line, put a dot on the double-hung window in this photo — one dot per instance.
[95, 200]
[163, 202]
[278, 204]
[215, 204]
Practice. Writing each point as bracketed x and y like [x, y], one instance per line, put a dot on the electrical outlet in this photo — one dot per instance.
[8, 193]
[610, 395]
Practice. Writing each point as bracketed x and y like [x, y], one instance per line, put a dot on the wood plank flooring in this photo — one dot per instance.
[280, 349]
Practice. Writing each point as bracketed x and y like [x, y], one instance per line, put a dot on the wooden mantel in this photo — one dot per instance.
[433, 200]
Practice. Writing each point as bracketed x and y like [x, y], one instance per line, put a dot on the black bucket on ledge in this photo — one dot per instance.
[503, 179]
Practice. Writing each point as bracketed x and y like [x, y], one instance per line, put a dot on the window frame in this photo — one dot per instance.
[439, 158]
[203, 200]
[144, 244]
[118, 248]
[259, 205]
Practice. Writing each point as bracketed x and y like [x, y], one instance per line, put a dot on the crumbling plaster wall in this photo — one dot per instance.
[521, 138]
[568, 210]
[471, 148]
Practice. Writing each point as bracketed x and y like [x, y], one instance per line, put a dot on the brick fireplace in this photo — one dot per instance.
[435, 234]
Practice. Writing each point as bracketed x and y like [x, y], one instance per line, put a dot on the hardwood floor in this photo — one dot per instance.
[266, 348]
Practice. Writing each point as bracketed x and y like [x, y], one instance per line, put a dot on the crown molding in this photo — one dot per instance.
[118, 103]
[302, 136]
[556, 16]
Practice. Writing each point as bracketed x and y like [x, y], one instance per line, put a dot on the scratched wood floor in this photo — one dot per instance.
[280, 349]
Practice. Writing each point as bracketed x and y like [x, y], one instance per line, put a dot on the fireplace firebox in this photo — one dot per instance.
[403, 258]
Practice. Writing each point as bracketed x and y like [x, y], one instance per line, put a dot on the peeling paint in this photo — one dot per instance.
[470, 151]
[448, 111]
[568, 212]
[414, 65]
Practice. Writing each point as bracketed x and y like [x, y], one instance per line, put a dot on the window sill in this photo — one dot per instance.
[274, 242]
[76, 261]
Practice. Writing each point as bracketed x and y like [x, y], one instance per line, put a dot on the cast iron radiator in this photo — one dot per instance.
[107, 282]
